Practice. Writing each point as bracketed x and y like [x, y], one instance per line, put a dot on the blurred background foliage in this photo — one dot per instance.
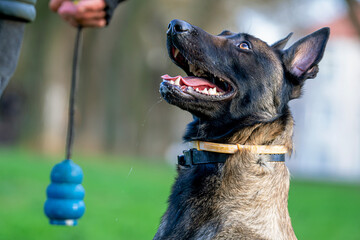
[124, 131]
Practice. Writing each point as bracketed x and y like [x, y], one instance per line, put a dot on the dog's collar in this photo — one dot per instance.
[208, 152]
[233, 148]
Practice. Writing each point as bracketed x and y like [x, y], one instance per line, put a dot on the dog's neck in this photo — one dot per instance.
[245, 130]
[261, 195]
[246, 192]
[255, 196]
[258, 189]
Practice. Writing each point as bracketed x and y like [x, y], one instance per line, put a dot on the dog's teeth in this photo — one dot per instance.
[205, 91]
[198, 72]
[197, 89]
[212, 91]
[177, 81]
[176, 52]
[172, 82]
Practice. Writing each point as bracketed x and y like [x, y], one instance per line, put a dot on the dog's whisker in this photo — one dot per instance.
[150, 110]
[142, 125]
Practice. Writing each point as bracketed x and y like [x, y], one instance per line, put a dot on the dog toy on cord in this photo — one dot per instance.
[65, 194]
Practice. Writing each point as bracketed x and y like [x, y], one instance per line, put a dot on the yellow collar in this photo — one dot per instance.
[233, 148]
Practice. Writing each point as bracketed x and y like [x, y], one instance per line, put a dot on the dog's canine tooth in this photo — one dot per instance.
[198, 72]
[205, 91]
[176, 52]
[177, 81]
[212, 91]
[172, 82]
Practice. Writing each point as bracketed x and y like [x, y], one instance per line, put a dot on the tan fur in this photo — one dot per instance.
[254, 192]
[250, 197]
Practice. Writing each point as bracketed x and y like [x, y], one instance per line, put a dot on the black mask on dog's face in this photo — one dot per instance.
[233, 77]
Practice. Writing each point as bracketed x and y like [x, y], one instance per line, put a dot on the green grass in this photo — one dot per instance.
[124, 199]
[126, 196]
[325, 210]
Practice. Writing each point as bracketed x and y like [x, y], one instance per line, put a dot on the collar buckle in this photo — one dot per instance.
[194, 157]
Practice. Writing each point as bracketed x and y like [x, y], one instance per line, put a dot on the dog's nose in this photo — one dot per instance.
[178, 26]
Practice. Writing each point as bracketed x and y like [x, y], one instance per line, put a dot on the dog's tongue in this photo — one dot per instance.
[192, 81]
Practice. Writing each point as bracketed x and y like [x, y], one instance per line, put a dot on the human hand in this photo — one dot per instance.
[85, 13]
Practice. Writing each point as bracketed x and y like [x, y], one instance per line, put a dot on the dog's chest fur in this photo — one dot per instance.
[240, 199]
[224, 202]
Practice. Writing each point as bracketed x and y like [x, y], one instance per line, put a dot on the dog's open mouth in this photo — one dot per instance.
[200, 82]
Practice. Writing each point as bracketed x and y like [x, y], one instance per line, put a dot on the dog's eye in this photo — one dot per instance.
[244, 45]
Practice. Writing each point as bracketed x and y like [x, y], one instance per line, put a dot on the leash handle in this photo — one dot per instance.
[74, 75]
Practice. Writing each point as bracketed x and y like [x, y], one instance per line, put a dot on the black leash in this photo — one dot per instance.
[70, 129]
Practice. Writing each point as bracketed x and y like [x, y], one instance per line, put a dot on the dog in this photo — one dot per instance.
[237, 89]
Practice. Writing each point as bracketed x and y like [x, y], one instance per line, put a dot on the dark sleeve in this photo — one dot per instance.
[110, 7]
[19, 10]
[11, 35]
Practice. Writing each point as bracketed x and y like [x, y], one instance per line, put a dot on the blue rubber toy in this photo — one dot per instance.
[65, 194]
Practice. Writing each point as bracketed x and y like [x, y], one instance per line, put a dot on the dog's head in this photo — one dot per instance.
[236, 78]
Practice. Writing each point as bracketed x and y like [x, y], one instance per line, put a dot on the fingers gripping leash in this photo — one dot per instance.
[65, 194]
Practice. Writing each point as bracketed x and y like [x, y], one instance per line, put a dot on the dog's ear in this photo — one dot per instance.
[281, 43]
[302, 57]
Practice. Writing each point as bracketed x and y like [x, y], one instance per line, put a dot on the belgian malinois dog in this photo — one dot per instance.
[237, 89]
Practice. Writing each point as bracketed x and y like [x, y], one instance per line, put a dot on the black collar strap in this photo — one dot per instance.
[194, 157]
